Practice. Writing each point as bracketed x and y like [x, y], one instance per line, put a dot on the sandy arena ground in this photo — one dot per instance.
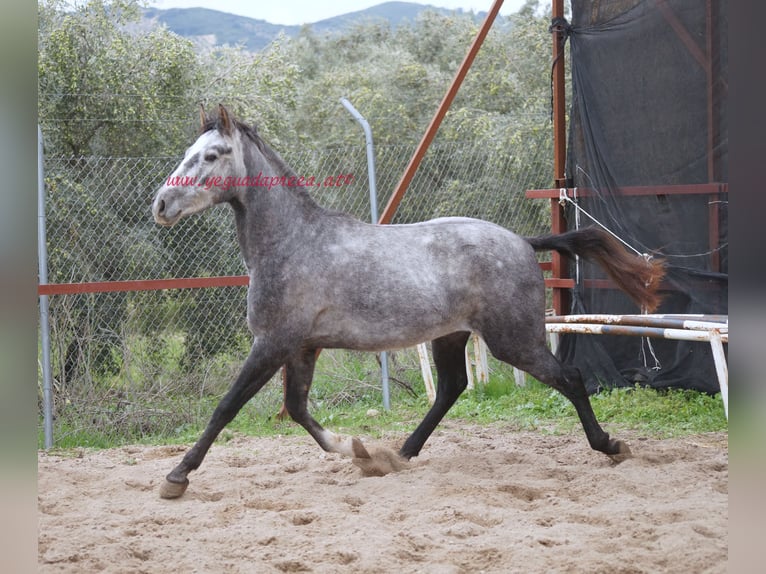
[477, 499]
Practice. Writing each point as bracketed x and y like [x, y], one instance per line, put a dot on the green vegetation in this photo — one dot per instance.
[347, 387]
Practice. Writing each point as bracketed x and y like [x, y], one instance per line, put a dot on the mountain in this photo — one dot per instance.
[218, 28]
[396, 13]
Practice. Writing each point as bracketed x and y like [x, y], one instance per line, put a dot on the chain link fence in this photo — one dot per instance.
[127, 365]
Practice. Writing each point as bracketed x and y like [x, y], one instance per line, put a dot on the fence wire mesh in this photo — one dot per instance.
[130, 364]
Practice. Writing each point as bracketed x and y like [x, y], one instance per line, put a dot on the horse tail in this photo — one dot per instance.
[639, 277]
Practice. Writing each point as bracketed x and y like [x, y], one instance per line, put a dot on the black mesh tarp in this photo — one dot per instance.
[649, 113]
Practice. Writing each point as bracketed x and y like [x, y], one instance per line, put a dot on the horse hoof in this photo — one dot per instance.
[622, 451]
[358, 448]
[173, 489]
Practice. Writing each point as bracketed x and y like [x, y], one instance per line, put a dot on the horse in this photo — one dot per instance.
[321, 279]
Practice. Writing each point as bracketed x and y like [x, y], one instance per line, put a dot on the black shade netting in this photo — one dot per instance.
[648, 155]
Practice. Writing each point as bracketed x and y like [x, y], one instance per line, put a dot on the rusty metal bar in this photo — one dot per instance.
[712, 138]
[432, 128]
[683, 34]
[711, 123]
[655, 332]
[720, 322]
[559, 97]
[559, 267]
[636, 190]
[714, 231]
[142, 285]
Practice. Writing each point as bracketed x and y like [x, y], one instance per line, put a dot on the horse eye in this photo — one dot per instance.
[210, 157]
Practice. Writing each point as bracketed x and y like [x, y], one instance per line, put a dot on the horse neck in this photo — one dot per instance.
[268, 219]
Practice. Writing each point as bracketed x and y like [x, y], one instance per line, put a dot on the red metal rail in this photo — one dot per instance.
[142, 285]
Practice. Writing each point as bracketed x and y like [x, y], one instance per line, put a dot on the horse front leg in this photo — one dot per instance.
[299, 372]
[298, 376]
[258, 369]
[282, 414]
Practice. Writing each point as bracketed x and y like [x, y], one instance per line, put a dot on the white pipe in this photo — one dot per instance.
[468, 370]
[680, 322]
[656, 332]
[42, 264]
[721, 369]
[480, 358]
[425, 370]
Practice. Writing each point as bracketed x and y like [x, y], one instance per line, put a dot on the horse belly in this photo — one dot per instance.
[363, 333]
[400, 312]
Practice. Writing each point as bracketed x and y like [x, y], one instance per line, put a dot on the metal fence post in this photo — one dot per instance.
[374, 215]
[42, 262]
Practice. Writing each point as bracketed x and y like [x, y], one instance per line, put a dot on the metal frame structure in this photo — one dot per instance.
[560, 280]
[712, 329]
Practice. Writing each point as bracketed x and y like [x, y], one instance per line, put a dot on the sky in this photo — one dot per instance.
[296, 12]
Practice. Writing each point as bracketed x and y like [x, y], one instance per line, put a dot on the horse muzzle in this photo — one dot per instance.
[163, 211]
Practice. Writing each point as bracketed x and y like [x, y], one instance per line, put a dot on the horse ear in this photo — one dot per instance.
[202, 116]
[224, 122]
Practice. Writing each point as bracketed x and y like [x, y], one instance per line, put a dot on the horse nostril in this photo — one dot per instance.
[161, 207]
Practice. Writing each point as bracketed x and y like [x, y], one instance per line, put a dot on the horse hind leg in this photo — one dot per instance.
[449, 359]
[539, 362]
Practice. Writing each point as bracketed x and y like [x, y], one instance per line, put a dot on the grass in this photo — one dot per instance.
[347, 389]
[658, 414]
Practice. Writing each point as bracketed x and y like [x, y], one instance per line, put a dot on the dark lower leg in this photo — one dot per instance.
[298, 376]
[255, 373]
[283, 409]
[568, 381]
[449, 358]
[299, 372]
[598, 438]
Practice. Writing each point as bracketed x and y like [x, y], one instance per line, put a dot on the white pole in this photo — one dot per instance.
[42, 263]
[425, 370]
[468, 369]
[480, 357]
[721, 369]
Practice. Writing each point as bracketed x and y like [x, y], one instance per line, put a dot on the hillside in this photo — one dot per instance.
[218, 28]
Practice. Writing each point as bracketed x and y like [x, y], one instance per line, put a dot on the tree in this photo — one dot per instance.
[489, 143]
[109, 87]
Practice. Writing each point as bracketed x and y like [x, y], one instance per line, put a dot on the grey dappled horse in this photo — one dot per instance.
[322, 279]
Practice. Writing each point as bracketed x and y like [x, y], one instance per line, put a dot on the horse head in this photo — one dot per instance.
[204, 176]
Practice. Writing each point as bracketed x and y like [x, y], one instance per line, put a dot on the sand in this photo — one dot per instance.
[477, 499]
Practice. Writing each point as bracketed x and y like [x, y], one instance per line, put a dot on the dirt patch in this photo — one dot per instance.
[477, 499]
